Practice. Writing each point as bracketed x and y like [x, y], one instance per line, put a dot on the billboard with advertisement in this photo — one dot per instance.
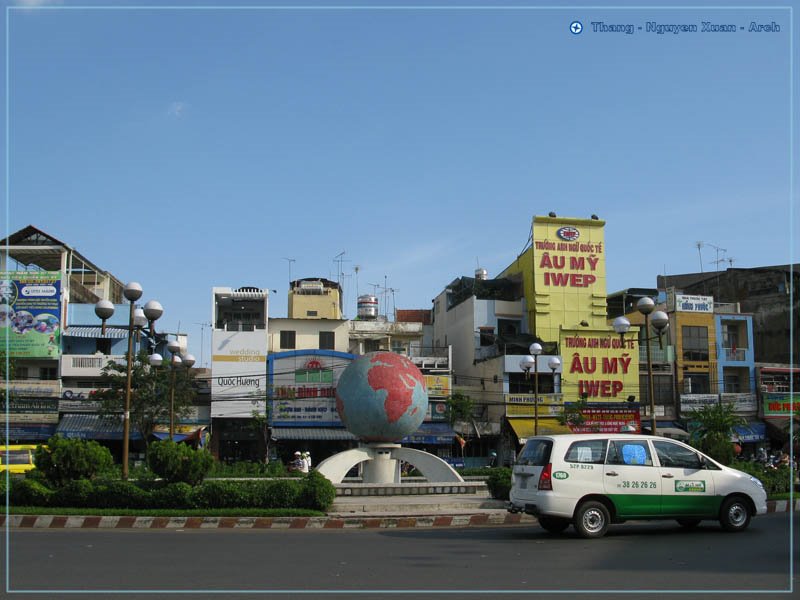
[238, 365]
[30, 313]
[607, 419]
[781, 404]
[303, 387]
[438, 386]
[599, 364]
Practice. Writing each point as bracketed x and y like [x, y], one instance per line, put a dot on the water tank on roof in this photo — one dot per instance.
[367, 307]
[481, 274]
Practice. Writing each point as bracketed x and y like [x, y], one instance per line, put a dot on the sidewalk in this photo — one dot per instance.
[386, 513]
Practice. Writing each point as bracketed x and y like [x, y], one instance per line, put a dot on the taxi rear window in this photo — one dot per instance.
[535, 453]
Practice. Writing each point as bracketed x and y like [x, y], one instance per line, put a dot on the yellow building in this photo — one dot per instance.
[315, 299]
[564, 283]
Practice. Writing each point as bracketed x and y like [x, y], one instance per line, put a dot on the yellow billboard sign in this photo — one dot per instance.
[599, 364]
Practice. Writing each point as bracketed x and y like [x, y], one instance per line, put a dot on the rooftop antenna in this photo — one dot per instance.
[394, 306]
[700, 254]
[290, 261]
[203, 326]
[339, 260]
[357, 268]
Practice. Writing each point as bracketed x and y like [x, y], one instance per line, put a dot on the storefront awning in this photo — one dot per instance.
[754, 431]
[432, 433]
[524, 428]
[95, 332]
[93, 427]
[312, 433]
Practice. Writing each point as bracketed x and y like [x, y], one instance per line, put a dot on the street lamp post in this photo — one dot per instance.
[660, 321]
[137, 318]
[526, 364]
[176, 361]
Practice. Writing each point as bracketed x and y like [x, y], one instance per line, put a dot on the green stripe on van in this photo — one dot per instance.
[630, 506]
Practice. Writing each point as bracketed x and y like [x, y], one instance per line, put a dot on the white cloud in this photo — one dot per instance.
[177, 108]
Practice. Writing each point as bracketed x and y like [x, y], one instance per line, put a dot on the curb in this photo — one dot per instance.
[366, 522]
[372, 522]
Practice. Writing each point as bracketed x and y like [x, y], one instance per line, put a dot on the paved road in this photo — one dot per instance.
[638, 559]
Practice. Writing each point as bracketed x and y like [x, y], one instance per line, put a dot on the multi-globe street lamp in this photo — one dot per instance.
[137, 319]
[176, 361]
[660, 321]
[526, 364]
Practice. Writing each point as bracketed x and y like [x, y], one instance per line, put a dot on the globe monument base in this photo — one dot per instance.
[382, 464]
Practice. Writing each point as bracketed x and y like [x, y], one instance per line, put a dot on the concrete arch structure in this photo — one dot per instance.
[382, 464]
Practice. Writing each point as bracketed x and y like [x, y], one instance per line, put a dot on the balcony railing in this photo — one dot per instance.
[657, 354]
[734, 353]
[83, 365]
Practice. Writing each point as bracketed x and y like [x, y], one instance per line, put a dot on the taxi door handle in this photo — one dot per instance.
[612, 473]
[668, 475]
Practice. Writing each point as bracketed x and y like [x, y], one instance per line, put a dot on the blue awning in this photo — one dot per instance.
[93, 427]
[312, 433]
[754, 431]
[432, 433]
[95, 332]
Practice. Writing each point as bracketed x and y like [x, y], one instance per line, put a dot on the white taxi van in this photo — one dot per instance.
[592, 480]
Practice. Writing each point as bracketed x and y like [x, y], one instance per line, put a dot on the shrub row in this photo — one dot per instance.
[776, 481]
[311, 492]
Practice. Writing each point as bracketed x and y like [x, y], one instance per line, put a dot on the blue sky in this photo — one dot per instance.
[186, 148]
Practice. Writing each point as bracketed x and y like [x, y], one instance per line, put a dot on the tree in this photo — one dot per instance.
[150, 394]
[260, 425]
[459, 408]
[572, 413]
[713, 427]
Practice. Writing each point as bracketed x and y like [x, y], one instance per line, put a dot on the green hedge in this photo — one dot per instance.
[776, 481]
[499, 483]
[310, 492]
[175, 462]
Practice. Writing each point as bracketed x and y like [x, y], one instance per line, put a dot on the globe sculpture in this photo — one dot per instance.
[381, 397]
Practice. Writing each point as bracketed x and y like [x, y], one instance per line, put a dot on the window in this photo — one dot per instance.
[587, 451]
[487, 336]
[313, 376]
[508, 327]
[673, 455]
[399, 347]
[695, 343]
[629, 452]
[311, 313]
[103, 346]
[327, 340]
[48, 373]
[372, 345]
[696, 383]
[287, 340]
[536, 453]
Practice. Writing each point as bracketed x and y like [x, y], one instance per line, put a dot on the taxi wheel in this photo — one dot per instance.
[735, 514]
[592, 519]
[553, 524]
[689, 523]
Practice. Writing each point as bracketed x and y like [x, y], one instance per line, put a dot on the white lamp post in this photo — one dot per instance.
[152, 311]
[660, 321]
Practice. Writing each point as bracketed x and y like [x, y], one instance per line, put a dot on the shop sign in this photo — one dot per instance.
[611, 419]
[32, 388]
[744, 403]
[522, 405]
[703, 304]
[437, 411]
[29, 410]
[781, 404]
[304, 413]
[690, 402]
[438, 385]
[601, 364]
